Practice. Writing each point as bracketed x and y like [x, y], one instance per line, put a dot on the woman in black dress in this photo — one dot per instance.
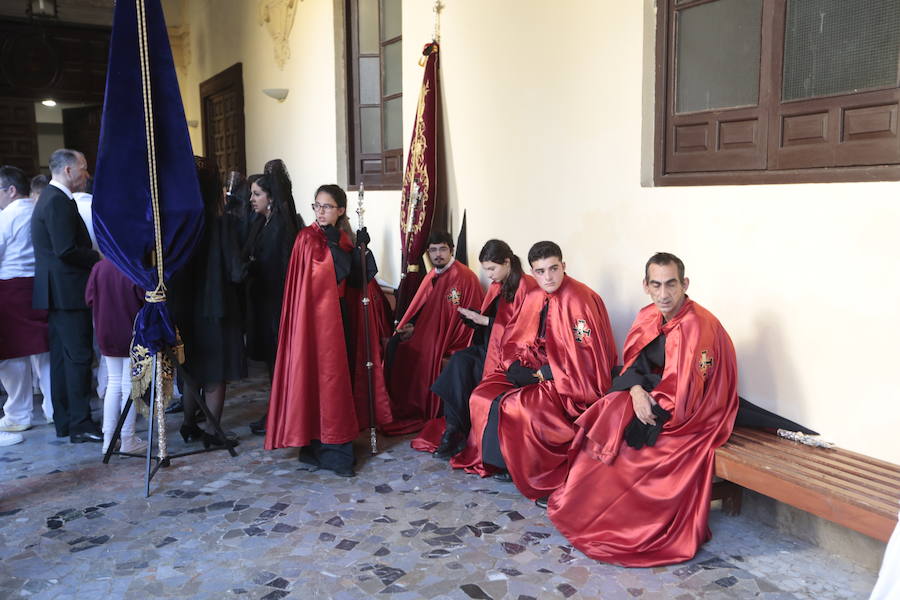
[205, 306]
[267, 253]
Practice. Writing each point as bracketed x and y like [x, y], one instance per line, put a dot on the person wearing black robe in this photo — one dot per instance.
[203, 299]
[267, 253]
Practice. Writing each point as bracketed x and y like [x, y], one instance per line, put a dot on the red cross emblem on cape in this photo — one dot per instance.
[581, 330]
[454, 297]
[705, 362]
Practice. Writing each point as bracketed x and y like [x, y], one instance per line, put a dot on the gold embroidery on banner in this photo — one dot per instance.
[454, 297]
[416, 180]
[581, 330]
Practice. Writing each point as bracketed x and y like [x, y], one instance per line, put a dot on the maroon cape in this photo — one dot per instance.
[439, 332]
[537, 421]
[641, 508]
[430, 437]
[23, 330]
[313, 397]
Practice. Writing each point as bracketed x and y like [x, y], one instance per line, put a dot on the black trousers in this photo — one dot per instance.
[455, 384]
[71, 352]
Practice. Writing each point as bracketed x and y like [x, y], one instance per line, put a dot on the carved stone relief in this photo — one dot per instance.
[278, 17]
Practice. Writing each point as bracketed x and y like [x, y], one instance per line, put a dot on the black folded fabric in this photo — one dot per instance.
[751, 415]
[520, 376]
[638, 434]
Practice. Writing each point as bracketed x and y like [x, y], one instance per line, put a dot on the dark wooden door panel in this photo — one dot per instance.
[81, 131]
[222, 100]
[844, 131]
[18, 135]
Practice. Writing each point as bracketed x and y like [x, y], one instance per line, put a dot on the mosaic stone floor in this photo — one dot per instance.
[260, 527]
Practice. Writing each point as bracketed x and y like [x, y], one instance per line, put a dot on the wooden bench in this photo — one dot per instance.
[847, 488]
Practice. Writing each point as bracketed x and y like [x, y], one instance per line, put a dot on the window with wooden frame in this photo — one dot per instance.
[777, 91]
[375, 93]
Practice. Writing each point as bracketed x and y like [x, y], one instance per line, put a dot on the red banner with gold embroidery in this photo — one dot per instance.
[419, 196]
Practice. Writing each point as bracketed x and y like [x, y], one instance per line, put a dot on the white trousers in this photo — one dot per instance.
[16, 377]
[118, 388]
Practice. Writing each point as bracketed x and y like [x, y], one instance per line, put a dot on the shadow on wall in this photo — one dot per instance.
[766, 372]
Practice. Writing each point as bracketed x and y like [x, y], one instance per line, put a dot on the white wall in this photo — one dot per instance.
[545, 110]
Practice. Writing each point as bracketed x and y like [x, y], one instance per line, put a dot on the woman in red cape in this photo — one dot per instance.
[314, 402]
[446, 436]
[649, 506]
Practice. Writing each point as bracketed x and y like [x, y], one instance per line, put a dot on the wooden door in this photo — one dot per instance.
[81, 131]
[18, 135]
[222, 102]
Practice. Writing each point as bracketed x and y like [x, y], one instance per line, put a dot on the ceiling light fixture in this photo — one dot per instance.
[49, 102]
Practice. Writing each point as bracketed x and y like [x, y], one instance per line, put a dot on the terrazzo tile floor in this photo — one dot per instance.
[259, 526]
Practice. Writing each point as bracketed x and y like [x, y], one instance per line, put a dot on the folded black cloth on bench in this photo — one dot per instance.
[751, 415]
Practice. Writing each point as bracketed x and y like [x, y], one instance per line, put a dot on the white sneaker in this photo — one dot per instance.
[10, 439]
[7, 425]
[133, 445]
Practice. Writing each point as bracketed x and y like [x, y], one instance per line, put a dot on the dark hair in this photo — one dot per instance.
[662, 259]
[440, 237]
[280, 190]
[339, 196]
[63, 158]
[14, 176]
[38, 183]
[543, 250]
[498, 251]
[210, 187]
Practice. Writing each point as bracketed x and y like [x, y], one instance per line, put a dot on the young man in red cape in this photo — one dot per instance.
[640, 475]
[556, 361]
[429, 330]
[319, 391]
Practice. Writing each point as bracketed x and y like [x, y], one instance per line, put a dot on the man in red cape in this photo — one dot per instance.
[556, 361]
[640, 474]
[429, 330]
[314, 403]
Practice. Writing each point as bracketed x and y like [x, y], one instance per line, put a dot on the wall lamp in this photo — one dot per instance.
[278, 93]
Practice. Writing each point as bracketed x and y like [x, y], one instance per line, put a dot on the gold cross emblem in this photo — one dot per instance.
[581, 330]
[454, 297]
[705, 363]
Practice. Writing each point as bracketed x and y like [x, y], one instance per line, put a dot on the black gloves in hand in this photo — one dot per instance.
[521, 376]
[546, 372]
[332, 233]
[362, 237]
[467, 321]
[639, 434]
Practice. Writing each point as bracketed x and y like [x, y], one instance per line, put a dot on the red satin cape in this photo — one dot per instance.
[439, 332]
[312, 395]
[536, 422]
[647, 507]
[430, 436]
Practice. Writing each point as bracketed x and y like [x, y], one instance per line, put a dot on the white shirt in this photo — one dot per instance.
[16, 249]
[445, 267]
[62, 187]
[85, 202]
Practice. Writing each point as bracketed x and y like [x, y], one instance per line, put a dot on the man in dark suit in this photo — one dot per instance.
[63, 259]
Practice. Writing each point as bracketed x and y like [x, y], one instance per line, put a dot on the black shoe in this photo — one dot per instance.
[345, 472]
[258, 427]
[191, 433]
[542, 502]
[86, 436]
[503, 476]
[175, 406]
[214, 440]
[452, 443]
